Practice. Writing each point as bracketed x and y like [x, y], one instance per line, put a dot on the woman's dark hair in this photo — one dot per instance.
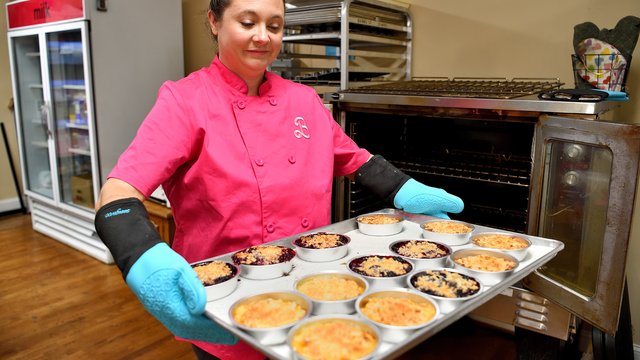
[218, 7]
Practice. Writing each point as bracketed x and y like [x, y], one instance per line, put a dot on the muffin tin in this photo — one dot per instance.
[276, 334]
[382, 279]
[392, 299]
[322, 304]
[441, 278]
[451, 239]
[222, 286]
[432, 254]
[541, 251]
[519, 252]
[266, 271]
[380, 229]
[325, 326]
[318, 253]
[478, 269]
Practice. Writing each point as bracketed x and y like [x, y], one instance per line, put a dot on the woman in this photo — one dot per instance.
[245, 157]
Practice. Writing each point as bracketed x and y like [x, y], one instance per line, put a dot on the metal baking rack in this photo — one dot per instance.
[333, 45]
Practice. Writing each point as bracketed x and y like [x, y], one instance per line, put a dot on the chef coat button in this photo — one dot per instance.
[273, 101]
[305, 222]
[259, 162]
[292, 159]
[241, 104]
[271, 227]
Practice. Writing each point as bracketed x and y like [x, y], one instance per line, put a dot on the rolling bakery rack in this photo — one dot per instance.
[333, 45]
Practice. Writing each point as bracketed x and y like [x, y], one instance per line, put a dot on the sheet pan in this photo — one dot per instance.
[541, 251]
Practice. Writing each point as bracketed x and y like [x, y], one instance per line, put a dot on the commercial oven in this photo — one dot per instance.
[548, 168]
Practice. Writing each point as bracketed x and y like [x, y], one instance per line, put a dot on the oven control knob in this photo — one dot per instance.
[571, 178]
[574, 151]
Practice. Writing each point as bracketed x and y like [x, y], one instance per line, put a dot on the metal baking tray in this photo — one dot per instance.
[541, 251]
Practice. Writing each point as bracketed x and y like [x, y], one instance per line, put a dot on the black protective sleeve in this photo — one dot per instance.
[381, 178]
[124, 227]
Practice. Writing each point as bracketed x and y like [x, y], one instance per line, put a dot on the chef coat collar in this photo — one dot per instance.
[235, 82]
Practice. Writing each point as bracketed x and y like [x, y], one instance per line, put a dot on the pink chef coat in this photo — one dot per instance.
[238, 170]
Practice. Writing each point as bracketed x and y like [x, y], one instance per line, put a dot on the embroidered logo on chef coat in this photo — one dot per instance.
[302, 130]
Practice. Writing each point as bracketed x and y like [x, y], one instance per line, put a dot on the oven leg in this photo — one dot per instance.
[619, 346]
[535, 346]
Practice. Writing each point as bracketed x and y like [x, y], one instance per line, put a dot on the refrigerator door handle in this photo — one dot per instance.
[45, 118]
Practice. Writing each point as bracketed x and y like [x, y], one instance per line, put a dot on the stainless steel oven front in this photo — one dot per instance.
[546, 168]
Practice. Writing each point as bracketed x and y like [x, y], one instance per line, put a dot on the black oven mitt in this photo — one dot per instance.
[623, 36]
[162, 280]
[394, 186]
[583, 95]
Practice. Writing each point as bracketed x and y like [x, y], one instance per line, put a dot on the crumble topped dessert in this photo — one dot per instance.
[445, 283]
[486, 263]
[321, 240]
[334, 339]
[380, 266]
[331, 288]
[447, 227]
[263, 255]
[420, 249]
[398, 311]
[268, 312]
[378, 219]
[214, 272]
[501, 241]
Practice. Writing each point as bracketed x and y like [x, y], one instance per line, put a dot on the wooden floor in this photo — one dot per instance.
[58, 303]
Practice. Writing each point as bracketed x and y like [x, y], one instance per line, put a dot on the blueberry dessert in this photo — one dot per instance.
[445, 283]
[321, 240]
[263, 255]
[380, 266]
[420, 249]
[214, 272]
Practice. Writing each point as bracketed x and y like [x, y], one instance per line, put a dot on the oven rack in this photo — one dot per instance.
[494, 88]
[458, 168]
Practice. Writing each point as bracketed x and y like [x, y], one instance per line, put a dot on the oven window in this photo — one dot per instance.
[574, 210]
[485, 161]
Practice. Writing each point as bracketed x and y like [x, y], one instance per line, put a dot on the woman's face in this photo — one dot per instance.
[249, 35]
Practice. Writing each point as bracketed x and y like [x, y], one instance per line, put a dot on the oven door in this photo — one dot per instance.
[582, 193]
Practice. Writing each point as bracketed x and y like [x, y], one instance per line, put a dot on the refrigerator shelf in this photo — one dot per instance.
[80, 151]
[76, 126]
[74, 87]
[40, 144]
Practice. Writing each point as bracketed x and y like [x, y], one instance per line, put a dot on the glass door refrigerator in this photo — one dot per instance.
[76, 112]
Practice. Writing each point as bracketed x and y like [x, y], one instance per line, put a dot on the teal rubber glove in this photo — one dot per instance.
[170, 290]
[417, 198]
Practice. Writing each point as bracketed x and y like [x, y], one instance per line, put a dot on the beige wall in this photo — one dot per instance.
[199, 47]
[501, 38]
[490, 38]
[7, 187]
